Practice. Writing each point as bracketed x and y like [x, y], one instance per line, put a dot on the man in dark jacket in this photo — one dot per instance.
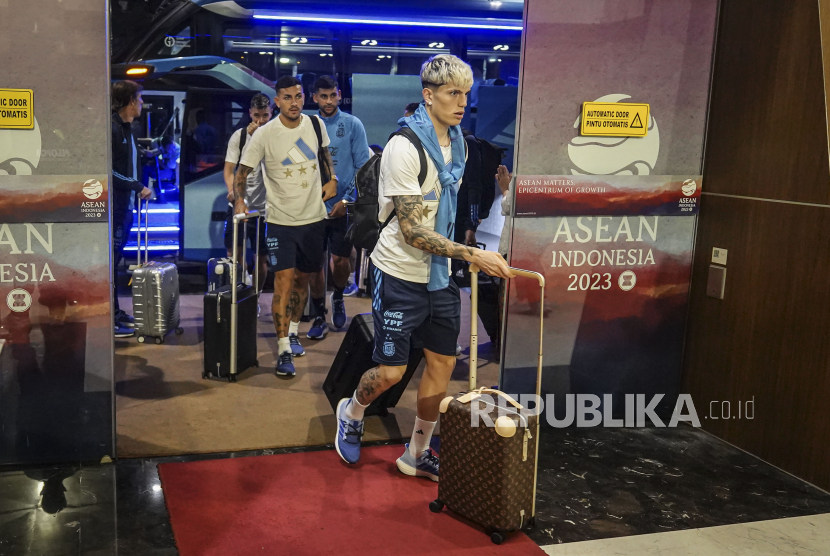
[126, 106]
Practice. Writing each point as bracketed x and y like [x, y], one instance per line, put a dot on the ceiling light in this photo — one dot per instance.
[137, 71]
[370, 42]
[303, 40]
[305, 18]
[295, 39]
[245, 52]
[284, 60]
[491, 59]
[323, 54]
[436, 45]
[495, 3]
[499, 59]
[263, 53]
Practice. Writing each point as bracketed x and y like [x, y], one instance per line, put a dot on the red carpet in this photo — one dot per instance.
[313, 504]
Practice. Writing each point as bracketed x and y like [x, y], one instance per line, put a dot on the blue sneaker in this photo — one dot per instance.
[318, 329]
[425, 466]
[285, 365]
[350, 290]
[296, 349]
[349, 433]
[338, 312]
[121, 331]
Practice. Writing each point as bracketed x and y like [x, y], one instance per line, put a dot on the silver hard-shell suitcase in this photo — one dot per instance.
[155, 289]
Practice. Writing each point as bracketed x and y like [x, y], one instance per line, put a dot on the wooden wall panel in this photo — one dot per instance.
[769, 338]
[767, 134]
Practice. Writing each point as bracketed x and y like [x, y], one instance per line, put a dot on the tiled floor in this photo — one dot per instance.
[808, 535]
[601, 492]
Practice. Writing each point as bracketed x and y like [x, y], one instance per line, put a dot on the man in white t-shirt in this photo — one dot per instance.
[412, 294]
[288, 148]
[260, 113]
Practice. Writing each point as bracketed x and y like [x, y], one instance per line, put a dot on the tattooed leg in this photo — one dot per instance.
[299, 295]
[375, 382]
[283, 281]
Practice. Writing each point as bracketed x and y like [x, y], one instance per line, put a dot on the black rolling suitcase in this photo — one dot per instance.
[355, 358]
[230, 320]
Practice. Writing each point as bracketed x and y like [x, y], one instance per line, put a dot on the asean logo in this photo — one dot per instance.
[627, 280]
[388, 349]
[689, 188]
[19, 300]
[92, 189]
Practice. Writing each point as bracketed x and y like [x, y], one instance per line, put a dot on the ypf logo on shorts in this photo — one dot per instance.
[19, 300]
[92, 189]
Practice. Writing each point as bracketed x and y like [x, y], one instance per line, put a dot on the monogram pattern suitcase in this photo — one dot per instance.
[155, 291]
[488, 472]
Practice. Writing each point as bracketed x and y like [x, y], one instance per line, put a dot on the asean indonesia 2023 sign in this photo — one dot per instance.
[616, 252]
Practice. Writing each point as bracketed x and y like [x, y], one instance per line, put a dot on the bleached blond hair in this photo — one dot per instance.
[446, 69]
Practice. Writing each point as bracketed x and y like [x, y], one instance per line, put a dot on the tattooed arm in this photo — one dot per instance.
[410, 210]
[239, 189]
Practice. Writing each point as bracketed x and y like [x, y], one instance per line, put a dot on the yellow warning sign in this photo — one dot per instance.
[17, 109]
[614, 119]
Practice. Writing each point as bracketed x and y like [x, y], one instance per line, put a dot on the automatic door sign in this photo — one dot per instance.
[17, 109]
[612, 119]
[19, 300]
[627, 280]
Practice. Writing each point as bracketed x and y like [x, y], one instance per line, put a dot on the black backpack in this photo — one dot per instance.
[365, 226]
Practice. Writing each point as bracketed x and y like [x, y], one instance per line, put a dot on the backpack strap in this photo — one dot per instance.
[422, 158]
[242, 137]
[315, 122]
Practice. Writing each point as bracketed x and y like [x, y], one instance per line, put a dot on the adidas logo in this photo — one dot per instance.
[419, 431]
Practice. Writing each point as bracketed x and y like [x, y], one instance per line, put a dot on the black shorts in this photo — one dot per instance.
[251, 227]
[299, 247]
[336, 237]
[405, 311]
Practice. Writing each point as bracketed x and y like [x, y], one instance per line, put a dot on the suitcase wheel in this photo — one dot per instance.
[496, 535]
[204, 375]
[179, 331]
[141, 339]
[436, 506]
[159, 341]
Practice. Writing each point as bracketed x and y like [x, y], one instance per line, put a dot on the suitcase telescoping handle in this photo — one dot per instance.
[146, 231]
[237, 221]
[474, 322]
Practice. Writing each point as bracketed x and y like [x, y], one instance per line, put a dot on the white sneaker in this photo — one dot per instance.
[249, 280]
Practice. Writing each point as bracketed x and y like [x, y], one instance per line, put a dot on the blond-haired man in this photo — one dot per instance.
[412, 294]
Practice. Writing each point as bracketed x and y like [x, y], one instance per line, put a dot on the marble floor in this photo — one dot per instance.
[808, 536]
[672, 492]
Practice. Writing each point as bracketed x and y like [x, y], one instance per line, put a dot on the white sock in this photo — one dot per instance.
[284, 344]
[293, 328]
[421, 435]
[355, 410]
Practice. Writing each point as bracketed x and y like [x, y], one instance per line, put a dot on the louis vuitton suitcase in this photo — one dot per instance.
[230, 317]
[155, 291]
[488, 473]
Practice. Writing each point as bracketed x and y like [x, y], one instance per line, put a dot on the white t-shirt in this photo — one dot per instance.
[255, 187]
[399, 169]
[291, 171]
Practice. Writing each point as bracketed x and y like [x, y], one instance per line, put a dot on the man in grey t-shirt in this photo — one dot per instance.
[260, 113]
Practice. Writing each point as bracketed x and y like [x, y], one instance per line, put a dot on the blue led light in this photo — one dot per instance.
[305, 18]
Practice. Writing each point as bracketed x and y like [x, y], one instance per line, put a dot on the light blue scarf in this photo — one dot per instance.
[449, 175]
